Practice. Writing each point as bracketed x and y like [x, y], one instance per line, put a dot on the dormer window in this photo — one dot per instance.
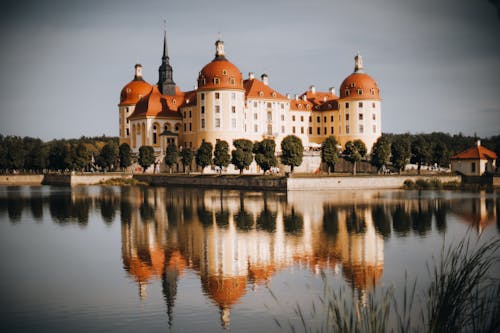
[300, 106]
[360, 91]
[224, 72]
[261, 93]
[352, 84]
[216, 80]
[308, 106]
[347, 92]
[174, 101]
[231, 81]
[372, 91]
[273, 94]
[203, 81]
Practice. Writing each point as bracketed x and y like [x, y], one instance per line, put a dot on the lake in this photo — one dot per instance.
[129, 259]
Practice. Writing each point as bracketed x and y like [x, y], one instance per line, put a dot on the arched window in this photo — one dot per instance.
[155, 134]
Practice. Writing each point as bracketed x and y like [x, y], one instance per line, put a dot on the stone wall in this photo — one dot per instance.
[21, 179]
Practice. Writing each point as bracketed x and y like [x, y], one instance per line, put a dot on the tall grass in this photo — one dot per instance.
[459, 297]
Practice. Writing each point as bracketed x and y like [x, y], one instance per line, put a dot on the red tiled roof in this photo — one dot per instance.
[226, 73]
[300, 105]
[157, 105]
[319, 97]
[255, 88]
[133, 91]
[476, 152]
[360, 86]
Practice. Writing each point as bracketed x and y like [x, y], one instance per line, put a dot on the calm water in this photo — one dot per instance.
[134, 259]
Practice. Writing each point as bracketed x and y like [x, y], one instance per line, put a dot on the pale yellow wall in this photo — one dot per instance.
[465, 167]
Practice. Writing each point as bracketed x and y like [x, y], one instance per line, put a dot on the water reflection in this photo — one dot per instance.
[235, 241]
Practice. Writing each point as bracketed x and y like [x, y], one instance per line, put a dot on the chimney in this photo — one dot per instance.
[251, 76]
[312, 89]
[288, 95]
[478, 143]
[265, 79]
[304, 97]
[332, 90]
[296, 97]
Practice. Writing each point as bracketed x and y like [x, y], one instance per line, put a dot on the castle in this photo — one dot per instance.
[225, 106]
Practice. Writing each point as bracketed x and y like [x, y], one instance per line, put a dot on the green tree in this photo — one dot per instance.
[203, 156]
[187, 156]
[420, 151]
[171, 155]
[330, 153]
[292, 151]
[125, 155]
[57, 155]
[221, 154]
[146, 157]
[108, 156]
[400, 153]
[354, 151]
[381, 152]
[242, 156]
[15, 152]
[265, 156]
[3, 153]
[440, 154]
[36, 154]
[81, 156]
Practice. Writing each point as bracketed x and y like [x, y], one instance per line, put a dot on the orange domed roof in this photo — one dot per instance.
[220, 73]
[224, 291]
[359, 86]
[135, 89]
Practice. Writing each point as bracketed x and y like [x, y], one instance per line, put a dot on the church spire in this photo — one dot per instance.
[166, 84]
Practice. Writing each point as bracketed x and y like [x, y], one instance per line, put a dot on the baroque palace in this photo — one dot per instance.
[225, 106]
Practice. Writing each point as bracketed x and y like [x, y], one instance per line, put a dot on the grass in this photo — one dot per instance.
[123, 182]
[460, 297]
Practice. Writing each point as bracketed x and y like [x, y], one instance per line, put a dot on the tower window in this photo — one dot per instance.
[347, 105]
[255, 116]
[202, 109]
[217, 95]
[360, 104]
[347, 129]
[310, 130]
[190, 127]
[318, 131]
[269, 129]
[347, 116]
[216, 80]
[324, 119]
[231, 81]
[203, 123]
[352, 84]
[233, 109]
[202, 96]
[190, 114]
[224, 72]
[324, 130]
[331, 130]
[282, 117]
[331, 119]
[217, 122]
[373, 116]
[302, 130]
[217, 109]
[374, 128]
[318, 119]
[360, 91]
[301, 118]
[361, 128]
[347, 92]
[269, 105]
[256, 128]
[269, 116]
[360, 116]
[293, 118]
[282, 129]
[293, 129]
[373, 105]
[128, 133]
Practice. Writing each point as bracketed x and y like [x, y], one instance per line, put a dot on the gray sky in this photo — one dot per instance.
[63, 63]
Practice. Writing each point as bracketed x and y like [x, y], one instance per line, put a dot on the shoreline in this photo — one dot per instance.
[238, 182]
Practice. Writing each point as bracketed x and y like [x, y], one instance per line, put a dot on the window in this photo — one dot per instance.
[301, 118]
[282, 117]
[324, 119]
[347, 105]
[217, 95]
[373, 105]
[282, 129]
[293, 129]
[318, 131]
[372, 91]
[360, 91]
[293, 118]
[269, 129]
[269, 105]
[177, 128]
[233, 123]
[347, 92]
[361, 129]
[217, 122]
[233, 96]
[347, 129]
[184, 114]
[217, 109]
[269, 116]
[256, 128]
[360, 116]
[254, 104]
[310, 130]
[282, 106]
[373, 116]
[347, 116]
[190, 127]
[190, 114]
[331, 130]
[318, 119]
[374, 128]
[233, 109]
[202, 109]
[203, 123]
[184, 127]
[216, 80]
[324, 131]
[473, 167]
[360, 104]
[202, 96]
[128, 133]
[310, 119]
[255, 116]
[302, 130]
[331, 119]
[231, 81]
[155, 135]
[352, 84]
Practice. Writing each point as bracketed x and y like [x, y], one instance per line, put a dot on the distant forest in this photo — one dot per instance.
[102, 153]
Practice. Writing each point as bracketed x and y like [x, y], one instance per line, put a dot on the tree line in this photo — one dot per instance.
[391, 151]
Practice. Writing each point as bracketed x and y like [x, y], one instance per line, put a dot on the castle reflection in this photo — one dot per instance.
[236, 241]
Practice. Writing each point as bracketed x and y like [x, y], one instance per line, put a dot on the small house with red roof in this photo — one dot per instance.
[475, 161]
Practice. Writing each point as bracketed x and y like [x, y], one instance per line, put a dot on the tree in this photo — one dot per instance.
[81, 156]
[354, 151]
[187, 155]
[203, 156]
[57, 155]
[146, 157]
[400, 153]
[108, 156]
[221, 155]
[440, 154]
[420, 151]
[125, 156]
[171, 155]
[242, 156]
[265, 154]
[292, 151]
[15, 152]
[381, 152]
[329, 153]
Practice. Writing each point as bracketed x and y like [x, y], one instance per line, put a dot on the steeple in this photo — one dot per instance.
[358, 63]
[219, 49]
[166, 84]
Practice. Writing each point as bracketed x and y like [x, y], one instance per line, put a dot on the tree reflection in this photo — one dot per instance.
[204, 215]
[330, 220]
[63, 208]
[107, 205]
[421, 219]
[243, 219]
[222, 216]
[382, 221]
[401, 221]
[36, 205]
[266, 220]
[15, 206]
[440, 214]
[293, 222]
[355, 222]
